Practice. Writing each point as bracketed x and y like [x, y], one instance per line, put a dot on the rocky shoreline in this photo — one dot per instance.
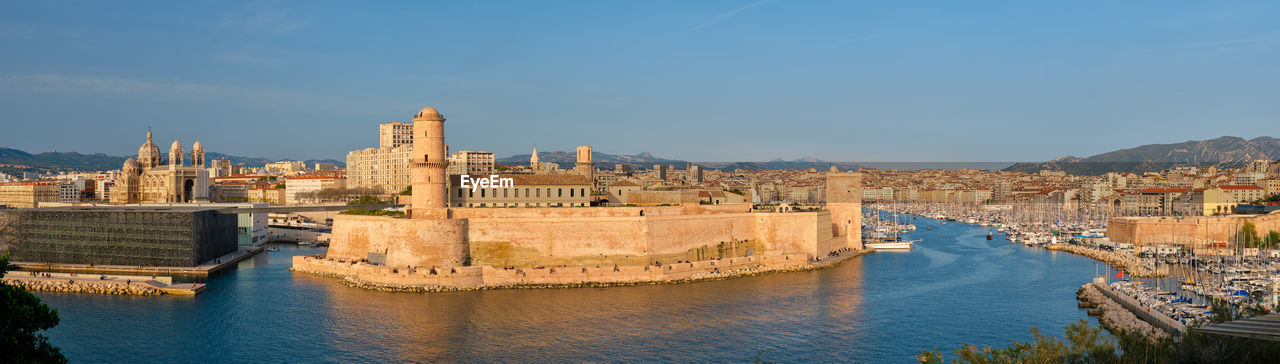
[66, 286]
[1129, 265]
[1114, 317]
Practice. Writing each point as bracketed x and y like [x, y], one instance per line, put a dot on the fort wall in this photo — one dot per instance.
[1197, 232]
[485, 277]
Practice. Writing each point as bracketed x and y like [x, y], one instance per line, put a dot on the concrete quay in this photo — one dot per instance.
[469, 278]
[1136, 308]
[97, 284]
[1115, 317]
[219, 264]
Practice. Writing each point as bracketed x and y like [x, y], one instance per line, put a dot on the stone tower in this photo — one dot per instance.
[175, 155]
[427, 166]
[197, 155]
[585, 165]
[844, 200]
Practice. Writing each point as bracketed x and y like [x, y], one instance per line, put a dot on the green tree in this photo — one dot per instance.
[22, 317]
[1247, 236]
[366, 200]
[407, 191]
[1273, 239]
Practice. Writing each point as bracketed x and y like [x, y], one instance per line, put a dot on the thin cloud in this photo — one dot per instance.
[258, 18]
[722, 17]
[131, 88]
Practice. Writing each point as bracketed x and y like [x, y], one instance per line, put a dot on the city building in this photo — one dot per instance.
[166, 236]
[286, 167]
[395, 134]
[28, 194]
[526, 190]
[471, 162]
[251, 228]
[619, 191]
[382, 168]
[267, 195]
[302, 185]
[325, 167]
[146, 180]
[694, 174]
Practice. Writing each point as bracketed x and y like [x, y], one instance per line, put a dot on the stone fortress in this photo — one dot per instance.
[435, 246]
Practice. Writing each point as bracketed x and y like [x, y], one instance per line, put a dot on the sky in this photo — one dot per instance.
[692, 80]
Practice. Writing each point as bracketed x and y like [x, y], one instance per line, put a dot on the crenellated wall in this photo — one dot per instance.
[1187, 231]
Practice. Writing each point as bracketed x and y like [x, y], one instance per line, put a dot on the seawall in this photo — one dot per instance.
[369, 276]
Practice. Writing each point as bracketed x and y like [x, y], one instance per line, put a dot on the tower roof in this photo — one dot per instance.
[428, 113]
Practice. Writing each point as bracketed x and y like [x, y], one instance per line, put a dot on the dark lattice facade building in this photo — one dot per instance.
[127, 235]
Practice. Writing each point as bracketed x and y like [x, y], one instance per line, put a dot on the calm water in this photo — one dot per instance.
[955, 287]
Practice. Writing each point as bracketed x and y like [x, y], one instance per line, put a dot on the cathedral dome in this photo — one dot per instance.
[196, 147]
[148, 151]
[130, 164]
[428, 113]
[175, 146]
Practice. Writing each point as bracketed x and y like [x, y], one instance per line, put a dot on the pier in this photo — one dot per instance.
[1155, 319]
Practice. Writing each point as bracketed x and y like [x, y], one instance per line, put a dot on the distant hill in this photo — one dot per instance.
[1223, 152]
[567, 159]
[102, 162]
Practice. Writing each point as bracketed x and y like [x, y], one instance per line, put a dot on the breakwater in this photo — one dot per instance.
[1113, 316]
[364, 275]
[83, 286]
[1126, 262]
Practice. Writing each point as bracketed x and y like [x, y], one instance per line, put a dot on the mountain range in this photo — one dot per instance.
[1223, 152]
[102, 162]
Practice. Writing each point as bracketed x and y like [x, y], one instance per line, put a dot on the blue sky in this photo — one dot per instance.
[704, 80]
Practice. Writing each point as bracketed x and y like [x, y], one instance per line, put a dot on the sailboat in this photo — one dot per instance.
[890, 243]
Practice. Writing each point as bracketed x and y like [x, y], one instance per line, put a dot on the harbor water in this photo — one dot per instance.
[954, 287]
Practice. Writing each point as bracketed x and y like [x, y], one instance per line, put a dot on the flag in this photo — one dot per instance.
[1120, 274]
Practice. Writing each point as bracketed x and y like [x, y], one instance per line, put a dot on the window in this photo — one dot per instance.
[570, 192]
[539, 193]
[482, 195]
[559, 192]
[526, 192]
[581, 192]
[504, 193]
[459, 192]
[471, 194]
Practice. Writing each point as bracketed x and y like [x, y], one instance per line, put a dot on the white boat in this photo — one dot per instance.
[892, 245]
